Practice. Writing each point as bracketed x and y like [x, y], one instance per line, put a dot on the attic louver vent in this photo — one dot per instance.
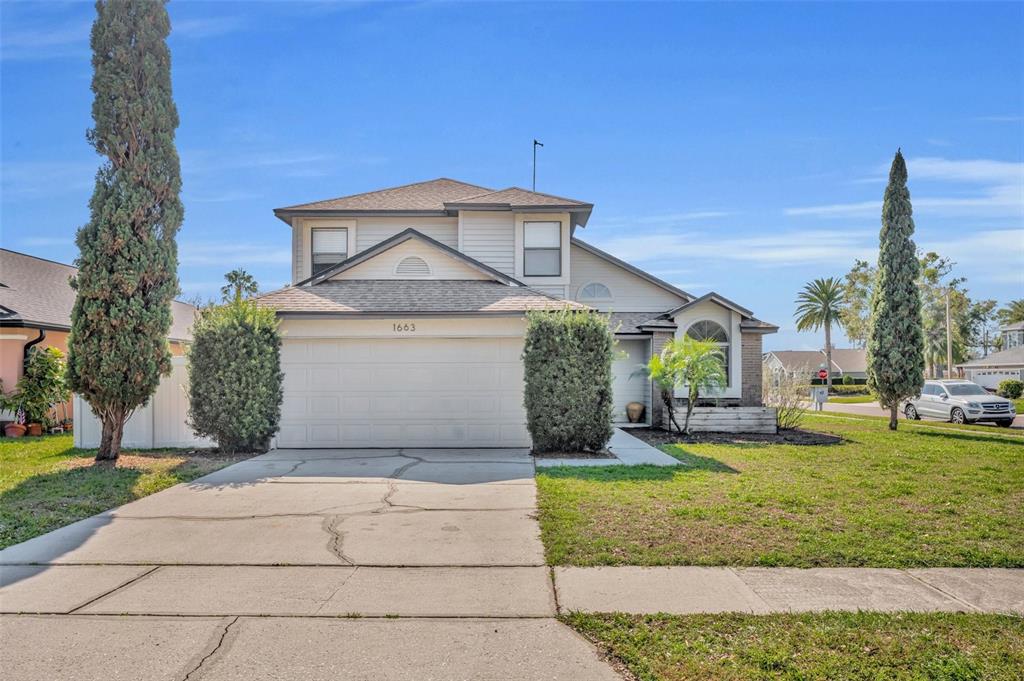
[413, 266]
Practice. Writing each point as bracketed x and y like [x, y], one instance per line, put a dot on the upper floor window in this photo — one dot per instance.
[330, 246]
[595, 291]
[542, 249]
[707, 330]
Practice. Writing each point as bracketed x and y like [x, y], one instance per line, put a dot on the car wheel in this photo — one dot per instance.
[1005, 423]
[911, 413]
[958, 416]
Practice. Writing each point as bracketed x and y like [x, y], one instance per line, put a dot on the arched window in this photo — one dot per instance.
[412, 266]
[707, 330]
[595, 291]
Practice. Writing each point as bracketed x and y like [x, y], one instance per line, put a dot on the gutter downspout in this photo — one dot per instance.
[28, 346]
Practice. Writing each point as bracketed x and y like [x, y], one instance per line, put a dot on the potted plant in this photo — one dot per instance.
[40, 387]
[17, 427]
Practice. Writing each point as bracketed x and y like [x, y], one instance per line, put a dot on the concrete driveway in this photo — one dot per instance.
[313, 564]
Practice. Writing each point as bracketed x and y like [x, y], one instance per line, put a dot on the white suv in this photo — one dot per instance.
[960, 402]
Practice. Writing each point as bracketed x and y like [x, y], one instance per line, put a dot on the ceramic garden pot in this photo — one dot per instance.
[14, 430]
[635, 412]
[35, 429]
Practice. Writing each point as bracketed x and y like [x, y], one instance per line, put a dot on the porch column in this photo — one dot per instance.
[750, 369]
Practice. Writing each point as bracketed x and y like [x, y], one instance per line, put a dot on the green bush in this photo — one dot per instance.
[234, 372]
[42, 386]
[1010, 388]
[567, 360]
[848, 379]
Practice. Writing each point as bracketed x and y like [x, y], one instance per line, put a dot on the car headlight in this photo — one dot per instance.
[973, 405]
[1013, 407]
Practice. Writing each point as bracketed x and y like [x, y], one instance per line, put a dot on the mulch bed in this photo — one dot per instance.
[798, 436]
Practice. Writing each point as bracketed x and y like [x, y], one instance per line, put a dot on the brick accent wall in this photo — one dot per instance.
[658, 340]
[750, 352]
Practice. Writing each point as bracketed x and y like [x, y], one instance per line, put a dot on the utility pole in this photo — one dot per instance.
[535, 145]
[949, 340]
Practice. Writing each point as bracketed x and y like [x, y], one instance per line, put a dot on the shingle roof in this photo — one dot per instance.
[850, 360]
[437, 196]
[1014, 357]
[795, 360]
[637, 322]
[35, 291]
[367, 296]
[427, 196]
[517, 197]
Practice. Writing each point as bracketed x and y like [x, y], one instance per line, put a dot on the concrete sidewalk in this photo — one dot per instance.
[627, 450]
[689, 590]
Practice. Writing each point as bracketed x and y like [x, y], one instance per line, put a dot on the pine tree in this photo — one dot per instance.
[895, 348]
[128, 257]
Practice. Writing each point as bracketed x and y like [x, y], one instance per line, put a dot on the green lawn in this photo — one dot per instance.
[987, 428]
[917, 497]
[46, 483]
[939, 646]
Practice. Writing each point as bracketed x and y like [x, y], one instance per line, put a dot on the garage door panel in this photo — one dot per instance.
[417, 392]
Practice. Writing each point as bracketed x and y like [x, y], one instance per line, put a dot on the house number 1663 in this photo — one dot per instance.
[404, 326]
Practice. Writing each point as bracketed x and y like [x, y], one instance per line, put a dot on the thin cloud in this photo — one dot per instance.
[785, 249]
[33, 180]
[228, 254]
[43, 42]
[1000, 193]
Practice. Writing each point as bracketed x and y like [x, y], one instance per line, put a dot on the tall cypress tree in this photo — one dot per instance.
[895, 347]
[128, 256]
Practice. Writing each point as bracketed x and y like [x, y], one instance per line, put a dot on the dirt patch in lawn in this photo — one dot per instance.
[798, 436]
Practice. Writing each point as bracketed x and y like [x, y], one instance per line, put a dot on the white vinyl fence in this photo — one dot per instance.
[161, 423]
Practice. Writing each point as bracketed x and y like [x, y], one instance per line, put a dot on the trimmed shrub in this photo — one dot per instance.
[1011, 388]
[567, 359]
[848, 379]
[234, 374]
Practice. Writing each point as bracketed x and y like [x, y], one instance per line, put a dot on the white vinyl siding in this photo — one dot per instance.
[490, 238]
[630, 293]
[403, 392]
[371, 231]
[385, 265]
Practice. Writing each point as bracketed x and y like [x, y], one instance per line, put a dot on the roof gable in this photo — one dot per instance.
[715, 298]
[401, 238]
[412, 258]
[597, 252]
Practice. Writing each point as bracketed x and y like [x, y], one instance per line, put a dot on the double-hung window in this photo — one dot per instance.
[542, 249]
[330, 246]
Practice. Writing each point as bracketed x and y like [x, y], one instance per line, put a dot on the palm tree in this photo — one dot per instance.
[1012, 313]
[240, 285]
[819, 305]
[699, 366]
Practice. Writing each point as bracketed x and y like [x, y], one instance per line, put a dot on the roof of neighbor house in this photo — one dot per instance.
[1014, 357]
[844, 360]
[850, 360]
[35, 292]
[442, 196]
[1016, 326]
[416, 296]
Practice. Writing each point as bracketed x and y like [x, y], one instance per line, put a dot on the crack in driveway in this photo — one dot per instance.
[216, 649]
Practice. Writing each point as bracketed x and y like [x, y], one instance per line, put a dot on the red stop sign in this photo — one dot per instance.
[822, 374]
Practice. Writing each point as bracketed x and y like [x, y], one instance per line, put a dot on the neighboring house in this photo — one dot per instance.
[850, 362]
[404, 322]
[1012, 335]
[997, 367]
[35, 310]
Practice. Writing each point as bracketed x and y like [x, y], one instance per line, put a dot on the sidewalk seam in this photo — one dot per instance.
[103, 595]
[929, 585]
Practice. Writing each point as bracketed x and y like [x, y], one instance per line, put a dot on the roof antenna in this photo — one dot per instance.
[535, 145]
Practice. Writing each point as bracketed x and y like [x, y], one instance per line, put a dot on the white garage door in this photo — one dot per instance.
[991, 378]
[626, 387]
[403, 392]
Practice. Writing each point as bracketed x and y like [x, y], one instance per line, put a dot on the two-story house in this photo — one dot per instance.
[404, 321]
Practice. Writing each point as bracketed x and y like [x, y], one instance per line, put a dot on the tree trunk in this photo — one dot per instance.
[894, 411]
[828, 356]
[689, 410]
[110, 439]
[666, 398]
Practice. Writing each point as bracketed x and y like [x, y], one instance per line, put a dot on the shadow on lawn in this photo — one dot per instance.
[998, 437]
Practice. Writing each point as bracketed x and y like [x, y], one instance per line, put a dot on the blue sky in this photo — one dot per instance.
[740, 148]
